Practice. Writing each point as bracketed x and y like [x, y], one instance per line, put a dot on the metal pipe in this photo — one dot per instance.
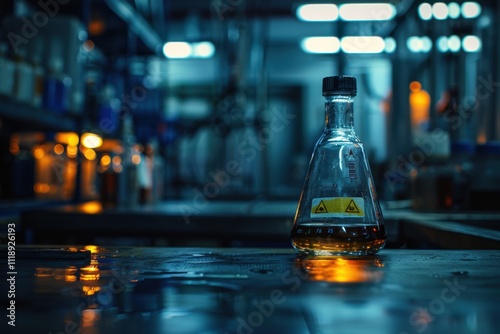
[137, 23]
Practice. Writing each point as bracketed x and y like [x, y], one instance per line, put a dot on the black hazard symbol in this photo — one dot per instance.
[352, 207]
[321, 208]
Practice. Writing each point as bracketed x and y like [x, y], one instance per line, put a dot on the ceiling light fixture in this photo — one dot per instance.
[320, 44]
[440, 11]
[453, 10]
[425, 11]
[177, 50]
[180, 50]
[362, 44]
[442, 44]
[367, 12]
[390, 45]
[471, 9]
[471, 43]
[419, 44]
[203, 50]
[454, 43]
[317, 12]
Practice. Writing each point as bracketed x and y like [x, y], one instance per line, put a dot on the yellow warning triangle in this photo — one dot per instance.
[321, 208]
[352, 207]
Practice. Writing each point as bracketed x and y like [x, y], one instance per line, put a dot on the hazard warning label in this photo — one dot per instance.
[331, 207]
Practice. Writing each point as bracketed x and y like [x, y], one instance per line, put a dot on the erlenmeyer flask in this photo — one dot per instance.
[338, 211]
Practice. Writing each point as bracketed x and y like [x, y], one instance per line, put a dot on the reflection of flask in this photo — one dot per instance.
[338, 212]
[341, 269]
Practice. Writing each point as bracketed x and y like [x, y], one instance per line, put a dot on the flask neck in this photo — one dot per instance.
[339, 112]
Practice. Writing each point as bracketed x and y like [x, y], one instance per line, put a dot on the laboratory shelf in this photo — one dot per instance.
[30, 117]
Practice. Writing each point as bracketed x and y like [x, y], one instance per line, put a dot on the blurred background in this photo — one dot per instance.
[178, 112]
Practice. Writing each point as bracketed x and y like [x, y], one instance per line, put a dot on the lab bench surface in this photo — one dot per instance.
[235, 223]
[235, 290]
[171, 222]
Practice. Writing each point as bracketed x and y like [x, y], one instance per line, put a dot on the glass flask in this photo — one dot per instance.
[338, 211]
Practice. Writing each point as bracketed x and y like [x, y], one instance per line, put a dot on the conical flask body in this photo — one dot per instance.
[338, 212]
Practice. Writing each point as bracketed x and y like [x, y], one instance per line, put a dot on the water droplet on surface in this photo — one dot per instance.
[460, 273]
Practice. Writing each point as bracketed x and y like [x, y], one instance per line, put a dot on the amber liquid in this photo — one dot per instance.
[317, 239]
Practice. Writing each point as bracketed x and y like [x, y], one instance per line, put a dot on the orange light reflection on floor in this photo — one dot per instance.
[341, 270]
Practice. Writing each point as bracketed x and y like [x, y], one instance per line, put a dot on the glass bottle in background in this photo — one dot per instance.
[38, 78]
[23, 90]
[462, 153]
[156, 161]
[129, 184]
[108, 112]
[55, 96]
[109, 169]
[8, 71]
[338, 212]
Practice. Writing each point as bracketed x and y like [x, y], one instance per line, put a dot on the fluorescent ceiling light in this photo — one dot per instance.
[471, 43]
[419, 44]
[440, 11]
[367, 12]
[320, 44]
[454, 43]
[471, 10]
[425, 11]
[362, 44]
[453, 10]
[413, 44]
[318, 12]
[203, 50]
[390, 44]
[177, 50]
[442, 44]
[426, 44]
